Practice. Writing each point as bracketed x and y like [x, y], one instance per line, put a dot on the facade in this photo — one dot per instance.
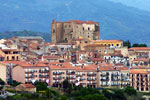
[110, 77]
[10, 54]
[74, 29]
[26, 88]
[140, 80]
[110, 43]
[29, 73]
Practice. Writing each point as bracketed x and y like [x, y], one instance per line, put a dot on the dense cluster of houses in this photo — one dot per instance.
[84, 62]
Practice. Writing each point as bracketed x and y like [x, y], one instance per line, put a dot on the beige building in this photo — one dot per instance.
[140, 80]
[73, 29]
[26, 88]
[3, 72]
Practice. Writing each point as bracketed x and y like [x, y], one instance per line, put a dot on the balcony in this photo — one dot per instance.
[80, 75]
[125, 80]
[29, 72]
[43, 76]
[71, 78]
[104, 79]
[31, 76]
[91, 74]
[115, 75]
[70, 73]
[93, 83]
[91, 79]
[113, 79]
[104, 74]
[57, 78]
[57, 73]
[43, 71]
[81, 79]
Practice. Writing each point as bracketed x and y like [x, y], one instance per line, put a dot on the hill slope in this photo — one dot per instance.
[10, 34]
[116, 20]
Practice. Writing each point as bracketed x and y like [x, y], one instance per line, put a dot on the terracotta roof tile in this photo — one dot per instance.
[139, 48]
[138, 72]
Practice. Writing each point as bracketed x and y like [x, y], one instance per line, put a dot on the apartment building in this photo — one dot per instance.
[139, 80]
[58, 73]
[113, 77]
[30, 72]
[110, 43]
[10, 55]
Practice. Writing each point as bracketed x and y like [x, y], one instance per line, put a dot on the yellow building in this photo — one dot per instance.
[110, 43]
[10, 54]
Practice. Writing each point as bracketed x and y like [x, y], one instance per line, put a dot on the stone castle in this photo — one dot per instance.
[74, 29]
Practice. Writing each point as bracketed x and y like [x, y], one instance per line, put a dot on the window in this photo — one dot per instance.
[7, 58]
[88, 36]
[112, 44]
[69, 25]
[86, 42]
[83, 28]
[117, 44]
[13, 58]
[88, 28]
[53, 30]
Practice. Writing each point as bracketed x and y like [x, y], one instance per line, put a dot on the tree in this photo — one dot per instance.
[127, 43]
[2, 82]
[15, 83]
[65, 84]
[63, 98]
[139, 45]
[91, 97]
[41, 86]
[130, 91]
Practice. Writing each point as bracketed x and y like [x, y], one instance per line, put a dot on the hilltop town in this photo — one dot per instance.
[77, 54]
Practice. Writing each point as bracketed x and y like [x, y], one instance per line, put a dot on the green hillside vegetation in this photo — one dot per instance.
[10, 34]
[69, 92]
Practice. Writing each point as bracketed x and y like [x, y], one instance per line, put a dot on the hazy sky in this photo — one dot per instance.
[141, 4]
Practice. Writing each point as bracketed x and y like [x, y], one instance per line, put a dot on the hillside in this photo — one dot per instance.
[117, 21]
[9, 34]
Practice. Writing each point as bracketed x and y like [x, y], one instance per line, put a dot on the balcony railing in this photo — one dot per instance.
[57, 78]
[104, 79]
[70, 73]
[115, 79]
[104, 74]
[43, 71]
[27, 72]
[91, 74]
[57, 73]
[32, 76]
[70, 78]
[43, 76]
[79, 75]
[91, 79]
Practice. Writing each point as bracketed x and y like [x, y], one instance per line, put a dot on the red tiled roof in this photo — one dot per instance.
[106, 69]
[28, 85]
[122, 68]
[138, 72]
[107, 41]
[142, 59]
[139, 48]
[91, 67]
[95, 45]
[97, 59]
[81, 22]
